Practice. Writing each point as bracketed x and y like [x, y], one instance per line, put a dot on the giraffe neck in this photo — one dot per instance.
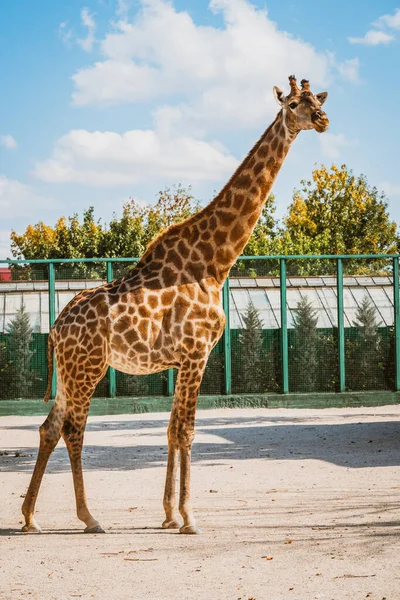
[233, 214]
[206, 245]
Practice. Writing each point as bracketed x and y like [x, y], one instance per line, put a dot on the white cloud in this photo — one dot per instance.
[108, 159]
[203, 78]
[88, 21]
[377, 36]
[333, 143]
[374, 37]
[18, 199]
[8, 141]
[221, 75]
[122, 8]
[64, 33]
[349, 69]
[390, 21]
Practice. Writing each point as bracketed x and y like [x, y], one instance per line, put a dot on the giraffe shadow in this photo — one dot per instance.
[17, 532]
[10, 532]
[136, 444]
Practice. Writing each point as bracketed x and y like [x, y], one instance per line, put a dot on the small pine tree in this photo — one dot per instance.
[364, 353]
[253, 366]
[304, 351]
[21, 373]
[366, 318]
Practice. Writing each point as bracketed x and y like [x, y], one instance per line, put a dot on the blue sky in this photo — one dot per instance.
[103, 100]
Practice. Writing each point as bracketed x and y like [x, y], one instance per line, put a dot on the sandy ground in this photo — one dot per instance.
[297, 504]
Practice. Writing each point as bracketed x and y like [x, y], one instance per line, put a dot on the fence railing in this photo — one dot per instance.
[282, 268]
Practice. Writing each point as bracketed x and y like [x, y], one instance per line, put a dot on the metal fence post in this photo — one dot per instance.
[112, 380]
[284, 330]
[170, 382]
[227, 340]
[396, 306]
[340, 320]
[52, 318]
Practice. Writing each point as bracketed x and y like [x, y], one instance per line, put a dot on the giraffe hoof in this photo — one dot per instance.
[95, 529]
[31, 528]
[174, 524]
[190, 530]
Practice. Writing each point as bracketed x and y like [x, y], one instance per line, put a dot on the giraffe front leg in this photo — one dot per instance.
[182, 430]
[185, 506]
[172, 518]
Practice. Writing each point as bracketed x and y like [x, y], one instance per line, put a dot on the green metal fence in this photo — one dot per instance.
[224, 374]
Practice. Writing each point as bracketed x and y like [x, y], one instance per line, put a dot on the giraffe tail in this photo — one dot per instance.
[50, 366]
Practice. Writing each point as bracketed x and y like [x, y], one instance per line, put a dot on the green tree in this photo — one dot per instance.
[254, 369]
[69, 238]
[90, 238]
[126, 236]
[173, 206]
[339, 213]
[20, 371]
[303, 354]
[365, 356]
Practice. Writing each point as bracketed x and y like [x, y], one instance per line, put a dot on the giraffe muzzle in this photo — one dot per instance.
[320, 121]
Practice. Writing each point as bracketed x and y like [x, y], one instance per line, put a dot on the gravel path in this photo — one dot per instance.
[297, 504]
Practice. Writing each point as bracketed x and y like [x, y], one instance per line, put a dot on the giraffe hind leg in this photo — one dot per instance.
[50, 432]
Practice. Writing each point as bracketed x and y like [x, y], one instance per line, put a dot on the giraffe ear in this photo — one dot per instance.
[321, 97]
[279, 96]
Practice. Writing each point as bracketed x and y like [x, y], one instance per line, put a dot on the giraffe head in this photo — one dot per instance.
[301, 108]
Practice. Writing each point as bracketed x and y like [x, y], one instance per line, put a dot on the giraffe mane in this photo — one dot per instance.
[166, 232]
[246, 159]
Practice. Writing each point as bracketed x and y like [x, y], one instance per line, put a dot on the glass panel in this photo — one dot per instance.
[255, 342]
[23, 363]
[369, 338]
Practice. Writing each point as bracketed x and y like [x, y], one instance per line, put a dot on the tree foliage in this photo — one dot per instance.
[365, 356]
[125, 236]
[338, 213]
[251, 374]
[17, 368]
[334, 212]
[254, 372]
[313, 363]
[304, 353]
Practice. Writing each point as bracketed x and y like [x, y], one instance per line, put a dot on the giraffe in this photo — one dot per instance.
[165, 313]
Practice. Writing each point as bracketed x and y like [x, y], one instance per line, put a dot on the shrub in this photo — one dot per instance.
[304, 349]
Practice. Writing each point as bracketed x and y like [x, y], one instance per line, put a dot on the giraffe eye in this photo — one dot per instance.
[293, 105]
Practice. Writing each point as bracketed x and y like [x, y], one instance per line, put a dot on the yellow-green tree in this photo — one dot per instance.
[338, 213]
[69, 238]
[125, 236]
[173, 206]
